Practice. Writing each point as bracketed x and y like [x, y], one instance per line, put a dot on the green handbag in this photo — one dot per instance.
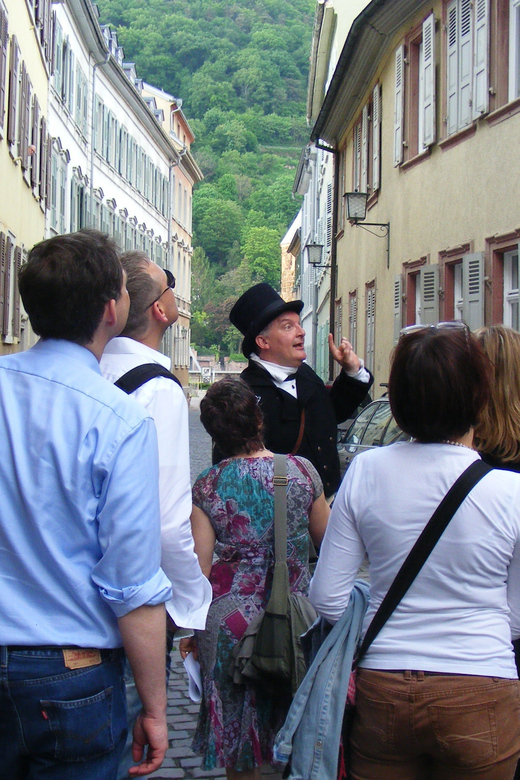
[270, 649]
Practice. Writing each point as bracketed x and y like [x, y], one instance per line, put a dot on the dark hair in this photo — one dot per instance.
[439, 383]
[142, 289]
[66, 282]
[231, 415]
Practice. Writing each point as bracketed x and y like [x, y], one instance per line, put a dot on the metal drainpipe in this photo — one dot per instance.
[333, 249]
[92, 124]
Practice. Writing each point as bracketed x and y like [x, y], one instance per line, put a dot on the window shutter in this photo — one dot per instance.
[453, 69]
[13, 91]
[329, 217]
[428, 74]
[4, 44]
[72, 80]
[429, 281]
[16, 309]
[465, 62]
[7, 286]
[25, 118]
[473, 290]
[2, 272]
[398, 306]
[376, 137]
[399, 106]
[58, 58]
[364, 149]
[43, 160]
[357, 157]
[480, 66]
[53, 23]
[48, 163]
[35, 141]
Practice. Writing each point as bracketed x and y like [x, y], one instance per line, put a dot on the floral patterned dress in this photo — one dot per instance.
[237, 723]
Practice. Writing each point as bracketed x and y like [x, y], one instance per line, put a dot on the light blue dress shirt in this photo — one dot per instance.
[79, 505]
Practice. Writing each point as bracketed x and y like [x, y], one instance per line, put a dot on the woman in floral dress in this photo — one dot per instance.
[233, 517]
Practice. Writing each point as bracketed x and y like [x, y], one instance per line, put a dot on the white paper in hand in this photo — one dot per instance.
[194, 679]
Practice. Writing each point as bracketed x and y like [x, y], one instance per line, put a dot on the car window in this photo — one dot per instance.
[394, 433]
[377, 425]
[355, 433]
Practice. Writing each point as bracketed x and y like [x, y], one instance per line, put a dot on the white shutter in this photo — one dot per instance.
[452, 69]
[329, 218]
[514, 49]
[398, 306]
[480, 54]
[399, 106]
[429, 281]
[465, 62]
[473, 290]
[357, 156]
[364, 149]
[376, 137]
[428, 77]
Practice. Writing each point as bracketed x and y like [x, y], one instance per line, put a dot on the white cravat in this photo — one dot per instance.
[279, 374]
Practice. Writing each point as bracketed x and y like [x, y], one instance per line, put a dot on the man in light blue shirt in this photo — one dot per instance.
[79, 531]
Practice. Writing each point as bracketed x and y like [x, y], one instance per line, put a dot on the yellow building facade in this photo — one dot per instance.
[25, 62]
[423, 117]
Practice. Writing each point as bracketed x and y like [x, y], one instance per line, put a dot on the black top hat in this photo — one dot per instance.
[255, 309]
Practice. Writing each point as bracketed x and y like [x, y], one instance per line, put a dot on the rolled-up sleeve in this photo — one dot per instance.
[128, 573]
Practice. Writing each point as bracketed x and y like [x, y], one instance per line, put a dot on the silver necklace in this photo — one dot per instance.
[455, 443]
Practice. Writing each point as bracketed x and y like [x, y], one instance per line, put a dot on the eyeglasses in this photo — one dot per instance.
[452, 325]
[170, 280]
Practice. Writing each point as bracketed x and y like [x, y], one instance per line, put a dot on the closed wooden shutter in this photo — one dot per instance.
[399, 106]
[4, 44]
[35, 141]
[452, 75]
[3, 239]
[7, 286]
[13, 91]
[43, 160]
[398, 306]
[25, 118]
[364, 150]
[465, 62]
[329, 217]
[473, 290]
[481, 55]
[48, 163]
[428, 75]
[16, 307]
[429, 281]
[376, 137]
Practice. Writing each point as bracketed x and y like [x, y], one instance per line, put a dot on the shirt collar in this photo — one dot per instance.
[69, 350]
[277, 372]
[122, 345]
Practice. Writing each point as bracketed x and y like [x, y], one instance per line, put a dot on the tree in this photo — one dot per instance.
[218, 229]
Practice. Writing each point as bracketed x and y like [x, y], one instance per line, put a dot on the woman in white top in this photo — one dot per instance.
[438, 694]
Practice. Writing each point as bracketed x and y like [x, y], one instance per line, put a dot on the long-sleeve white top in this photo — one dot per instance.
[461, 611]
[165, 402]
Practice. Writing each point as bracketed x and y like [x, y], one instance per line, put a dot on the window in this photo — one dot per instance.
[366, 173]
[414, 116]
[511, 290]
[370, 323]
[464, 290]
[467, 62]
[422, 295]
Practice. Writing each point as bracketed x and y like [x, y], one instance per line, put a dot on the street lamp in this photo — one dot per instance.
[314, 254]
[357, 212]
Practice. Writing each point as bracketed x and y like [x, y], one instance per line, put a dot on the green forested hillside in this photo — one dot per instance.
[241, 69]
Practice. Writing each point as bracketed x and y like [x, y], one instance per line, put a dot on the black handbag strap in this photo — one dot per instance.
[280, 482]
[141, 374]
[422, 548]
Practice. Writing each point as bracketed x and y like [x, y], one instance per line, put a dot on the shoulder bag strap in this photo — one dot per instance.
[141, 374]
[280, 482]
[300, 433]
[422, 548]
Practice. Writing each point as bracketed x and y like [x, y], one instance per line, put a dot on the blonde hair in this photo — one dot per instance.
[498, 430]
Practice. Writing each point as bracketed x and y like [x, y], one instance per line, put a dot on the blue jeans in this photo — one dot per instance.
[58, 723]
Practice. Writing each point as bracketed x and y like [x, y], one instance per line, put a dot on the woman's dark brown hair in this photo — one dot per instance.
[231, 415]
[439, 383]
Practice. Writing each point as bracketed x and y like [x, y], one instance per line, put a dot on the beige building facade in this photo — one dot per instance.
[423, 116]
[25, 63]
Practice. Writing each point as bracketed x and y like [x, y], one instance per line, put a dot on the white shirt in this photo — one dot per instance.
[463, 607]
[165, 402]
[280, 374]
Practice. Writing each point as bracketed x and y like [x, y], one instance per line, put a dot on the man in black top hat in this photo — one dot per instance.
[300, 413]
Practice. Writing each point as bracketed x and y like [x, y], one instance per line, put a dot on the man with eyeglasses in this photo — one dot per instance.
[153, 309]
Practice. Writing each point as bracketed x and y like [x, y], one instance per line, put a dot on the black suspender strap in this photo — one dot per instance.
[422, 548]
[141, 374]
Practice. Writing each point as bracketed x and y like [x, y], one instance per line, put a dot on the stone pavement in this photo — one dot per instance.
[180, 761]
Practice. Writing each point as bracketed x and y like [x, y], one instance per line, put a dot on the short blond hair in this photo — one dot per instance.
[498, 430]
